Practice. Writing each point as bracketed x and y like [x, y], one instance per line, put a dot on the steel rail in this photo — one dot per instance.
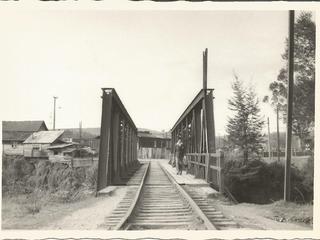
[192, 203]
[124, 220]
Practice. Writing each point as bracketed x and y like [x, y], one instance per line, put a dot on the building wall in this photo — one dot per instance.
[148, 142]
[59, 152]
[12, 149]
[153, 153]
[35, 150]
[153, 148]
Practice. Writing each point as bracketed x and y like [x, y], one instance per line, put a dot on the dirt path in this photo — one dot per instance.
[254, 216]
[84, 214]
[90, 217]
[257, 216]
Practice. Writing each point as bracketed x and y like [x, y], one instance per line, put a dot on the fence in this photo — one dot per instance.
[208, 166]
[74, 162]
[153, 153]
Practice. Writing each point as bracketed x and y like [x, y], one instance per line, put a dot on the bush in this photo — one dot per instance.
[308, 173]
[259, 182]
[15, 174]
[92, 176]
[63, 182]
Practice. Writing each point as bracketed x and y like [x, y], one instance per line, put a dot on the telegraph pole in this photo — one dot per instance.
[205, 68]
[54, 112]
[80, 137]
[278, 134]
[289, 107]
[269, 148]
[80, 131]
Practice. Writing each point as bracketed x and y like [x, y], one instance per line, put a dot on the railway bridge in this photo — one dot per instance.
[155, 198]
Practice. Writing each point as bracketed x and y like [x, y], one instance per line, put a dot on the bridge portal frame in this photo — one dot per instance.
[118, 141]
[196, 128]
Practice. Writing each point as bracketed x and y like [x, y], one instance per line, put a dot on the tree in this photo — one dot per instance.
[304, 82]
[244, 128]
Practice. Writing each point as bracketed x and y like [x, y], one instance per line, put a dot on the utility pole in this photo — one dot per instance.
[289, 107]
[80, 137]
[269, 148]
[278, 134]
[54, 112]
[205, 68]
[80, 131]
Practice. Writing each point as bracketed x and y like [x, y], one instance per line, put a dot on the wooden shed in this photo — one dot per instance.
[36, 145]
[14, 133]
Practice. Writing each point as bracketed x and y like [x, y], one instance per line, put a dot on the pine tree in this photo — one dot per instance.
[244, 128]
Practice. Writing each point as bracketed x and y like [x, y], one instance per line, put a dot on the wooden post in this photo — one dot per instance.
[289, 106]
[269, 147]
[197, 138]
[221, 174]
[205, 68]
[278, 135]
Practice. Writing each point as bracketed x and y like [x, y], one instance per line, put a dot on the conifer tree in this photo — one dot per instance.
[244, 128]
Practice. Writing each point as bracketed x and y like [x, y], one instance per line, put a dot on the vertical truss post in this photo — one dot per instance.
[130, 146]
[115, 142]
[126, 145]
[122, 150]
[211, 148]
[105, 132]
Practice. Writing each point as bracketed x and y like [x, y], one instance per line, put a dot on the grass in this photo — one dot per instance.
[28, 211]
[291, 212]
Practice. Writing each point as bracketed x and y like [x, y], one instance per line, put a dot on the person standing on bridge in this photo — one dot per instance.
[179, 152]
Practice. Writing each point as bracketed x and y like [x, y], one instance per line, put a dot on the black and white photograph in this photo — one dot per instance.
[139, 120]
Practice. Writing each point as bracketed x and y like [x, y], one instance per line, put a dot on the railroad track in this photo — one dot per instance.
[215, 216]
[158, 202]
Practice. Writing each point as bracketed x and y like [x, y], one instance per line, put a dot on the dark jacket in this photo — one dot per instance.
[180, 151]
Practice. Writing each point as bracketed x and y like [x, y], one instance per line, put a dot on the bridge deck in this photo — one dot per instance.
[184, 179]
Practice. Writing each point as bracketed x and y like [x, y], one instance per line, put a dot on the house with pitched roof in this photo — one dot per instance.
[38, 143]
[14, 133]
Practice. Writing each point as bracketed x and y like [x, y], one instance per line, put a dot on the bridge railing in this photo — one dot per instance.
[195, 128]
[118, 141]
[208, 166]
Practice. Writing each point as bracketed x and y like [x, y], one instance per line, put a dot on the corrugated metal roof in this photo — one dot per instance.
[22, 126]
[44, 137]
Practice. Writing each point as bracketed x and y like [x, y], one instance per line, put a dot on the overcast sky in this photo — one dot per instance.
[153, 59]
